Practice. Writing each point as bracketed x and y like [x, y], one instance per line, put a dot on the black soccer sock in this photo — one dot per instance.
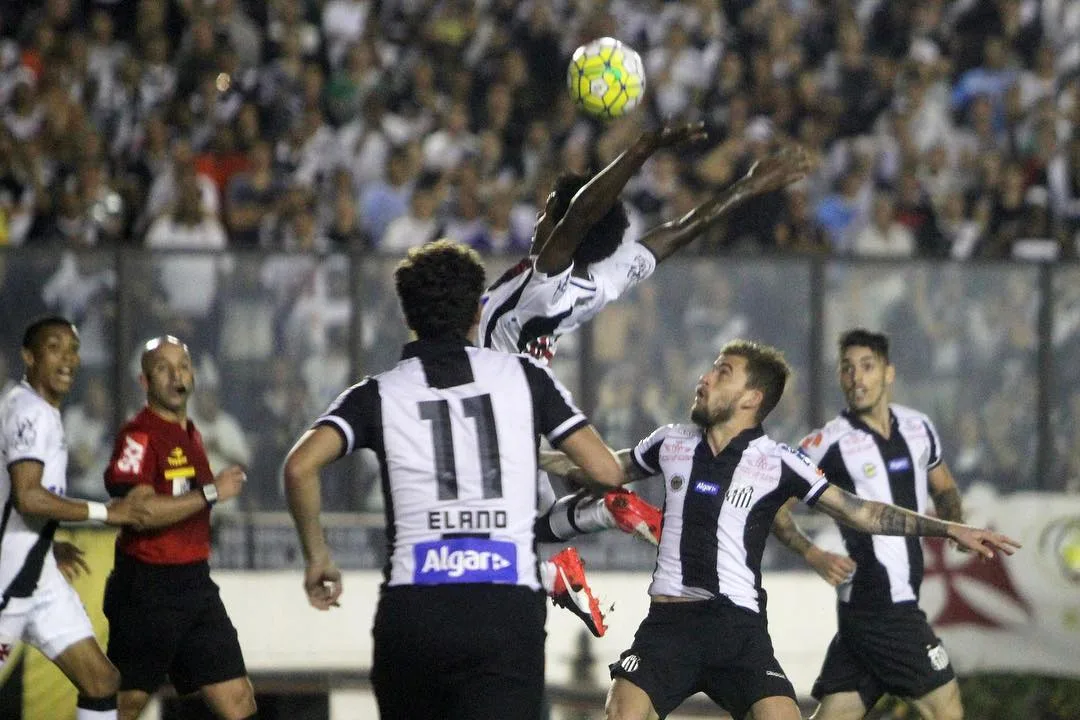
[88, 708]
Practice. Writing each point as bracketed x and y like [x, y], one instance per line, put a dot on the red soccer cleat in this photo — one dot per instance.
[571, 590]
[635, 516]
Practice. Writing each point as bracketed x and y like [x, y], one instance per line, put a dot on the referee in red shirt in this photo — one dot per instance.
[165, 613]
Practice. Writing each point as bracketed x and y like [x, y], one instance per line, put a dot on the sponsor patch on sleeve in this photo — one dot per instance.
[132, 454]
[465, 560]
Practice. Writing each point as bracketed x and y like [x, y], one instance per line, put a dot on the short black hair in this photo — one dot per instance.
[32, 335]
[605, 236]
[860, 337]
[439, 286]
[766, 370]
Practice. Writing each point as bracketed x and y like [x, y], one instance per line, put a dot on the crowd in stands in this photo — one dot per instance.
[944, 128]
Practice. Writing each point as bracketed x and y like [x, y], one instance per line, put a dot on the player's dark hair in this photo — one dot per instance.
[766, 370]
[605, 236]
[439, 286]
[34, 331]
[859, 337]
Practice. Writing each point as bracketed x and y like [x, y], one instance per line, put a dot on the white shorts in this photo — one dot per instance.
[52, 619]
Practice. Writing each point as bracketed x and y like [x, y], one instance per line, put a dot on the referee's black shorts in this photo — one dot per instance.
[168, 622]
[468, 652]
[711, 646]
[883, 650]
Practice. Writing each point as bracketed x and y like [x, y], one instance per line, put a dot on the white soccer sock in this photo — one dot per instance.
[548, 572]
[579, 514]
[592, 515]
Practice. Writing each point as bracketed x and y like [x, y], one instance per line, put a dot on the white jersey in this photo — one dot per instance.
[30, 429]
[456, 430]
[526, 310]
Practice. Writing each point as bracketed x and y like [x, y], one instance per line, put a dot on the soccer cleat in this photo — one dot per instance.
[571, 590]
[635, 516]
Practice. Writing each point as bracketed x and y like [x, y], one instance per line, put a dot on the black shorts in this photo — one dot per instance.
[891, 650]
[469, 652]
[168, 622]
[714, 647]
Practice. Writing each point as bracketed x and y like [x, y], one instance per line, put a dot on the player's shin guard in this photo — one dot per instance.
[88, 708]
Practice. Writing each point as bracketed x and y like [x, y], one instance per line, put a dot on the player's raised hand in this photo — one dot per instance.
[70, 560]
[322, 583]
[778, 170]
[983, 542]
[833, 568]
[670, 135]
[230, 482]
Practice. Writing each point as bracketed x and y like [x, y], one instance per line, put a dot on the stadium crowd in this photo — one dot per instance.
[945, 128]
[282, 139]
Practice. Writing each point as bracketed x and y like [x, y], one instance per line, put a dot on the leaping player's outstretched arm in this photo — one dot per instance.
[598, 196]
[773, 173]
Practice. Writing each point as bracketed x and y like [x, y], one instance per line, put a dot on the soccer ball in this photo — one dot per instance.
[606, 78]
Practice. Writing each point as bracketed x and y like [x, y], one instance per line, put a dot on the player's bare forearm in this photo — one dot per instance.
[304, 497]
[948, 506]
[789, 533]
[166, 510]
[945, 494]
[590, 204]
[877, 518]
[667, 239]
[34, 500]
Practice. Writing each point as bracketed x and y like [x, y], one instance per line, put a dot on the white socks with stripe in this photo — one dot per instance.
[578, 514]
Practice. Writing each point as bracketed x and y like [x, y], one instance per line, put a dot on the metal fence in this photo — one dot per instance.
[988, 350]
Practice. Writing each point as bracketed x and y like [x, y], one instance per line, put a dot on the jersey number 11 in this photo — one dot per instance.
[478, 408]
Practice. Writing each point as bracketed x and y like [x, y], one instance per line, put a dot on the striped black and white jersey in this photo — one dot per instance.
[893, 470]
[456, 429]
[719, 509]
[30, 430]
[525, 311]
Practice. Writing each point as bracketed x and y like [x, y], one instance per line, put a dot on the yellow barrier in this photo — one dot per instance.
[47, 693]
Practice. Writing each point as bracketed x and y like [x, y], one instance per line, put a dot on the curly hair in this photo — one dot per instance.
[604, 237]
[439, 286]
[766, 370]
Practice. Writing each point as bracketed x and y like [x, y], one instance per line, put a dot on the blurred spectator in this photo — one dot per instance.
[884, 236]
[189, 228]
[88, 431]
[223, 437]
[251, 199]
[419, 225]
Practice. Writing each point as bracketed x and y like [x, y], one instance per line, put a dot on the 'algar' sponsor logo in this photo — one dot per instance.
[465, 560]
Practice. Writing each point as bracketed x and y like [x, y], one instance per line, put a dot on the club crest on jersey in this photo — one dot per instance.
[637, 269]
[739, 497]
[677, 482]
[706, 488]
[465, 560]
[25, 434]
[560, 288]
[869, 469]
[939, 659]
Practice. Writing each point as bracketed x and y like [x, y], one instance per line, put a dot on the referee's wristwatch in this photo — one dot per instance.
[209, 491]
